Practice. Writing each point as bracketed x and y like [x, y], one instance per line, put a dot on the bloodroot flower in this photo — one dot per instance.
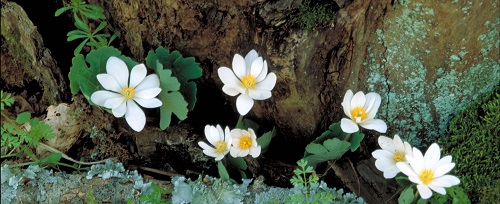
[250, 79]
[244, 143]
[361, 110]
[392, 152]
[123, 93]
[220, 142]
[428, 171]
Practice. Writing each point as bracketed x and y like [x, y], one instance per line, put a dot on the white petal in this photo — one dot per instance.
[250, 57]
[406, 169]
[244, 103]
[416, 160]
[391, 172]
[211, 153]
[108, 82]
[424, 191]
[443, 161]
[398, 143]
[100, 97]
[244, 152]
[374, 124]
[384, 164]
[208, 135]
[255, 151]
[120, 110]
[227, 77]
[408, 150]
[147, 93]
[135, 116]
[438, 189]
[387, 144]
[358, 100]
[137, 74]
[228, 138]
[378, 154]
[214, 134]
[220, 132]
[268, 83]
[239, 67]
[346, 103]
[348, 126]
[432, 155]
[151, 81]
[148, 103]
[234, 152]
[204, 145]
[259, 94]
[372, 104]
[118, 69]
[443, 169]
[256, 67]
[263, 73]
[446, 181]
[233, 90]
[114, 102]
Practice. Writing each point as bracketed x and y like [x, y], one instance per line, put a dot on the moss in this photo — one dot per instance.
[472, 140]
[313, 15]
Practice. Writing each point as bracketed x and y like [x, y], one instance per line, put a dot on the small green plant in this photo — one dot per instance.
[306, 180]
[22, 135]
[86, 15]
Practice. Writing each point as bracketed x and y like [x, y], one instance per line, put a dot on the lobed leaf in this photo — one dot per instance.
[316, 154]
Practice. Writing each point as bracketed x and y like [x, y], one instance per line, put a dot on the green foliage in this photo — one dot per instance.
[155, 194]
[90, 198]
[84, 78]
[472, 140]
[208, 190]
[265, 139]
[224, 175]
[82, 14]
[306, 180]
[313, 15]
[178, 91]
[6, 100]
[407, 196]
[14, 135]
[184, 69]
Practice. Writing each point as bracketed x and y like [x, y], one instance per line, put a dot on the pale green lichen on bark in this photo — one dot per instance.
[419, 100]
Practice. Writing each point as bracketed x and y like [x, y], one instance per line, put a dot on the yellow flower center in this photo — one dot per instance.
[220, 147]
[128, 92]
[398, 157]
[245, 142]
[359, 114]
[248, 81]
[426, 176]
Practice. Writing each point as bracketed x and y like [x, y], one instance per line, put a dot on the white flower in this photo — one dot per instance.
[123, 94]
[392, 152]
[250, 79]
[244, 143]
[216, 138]
[428, 171]
[361, 110]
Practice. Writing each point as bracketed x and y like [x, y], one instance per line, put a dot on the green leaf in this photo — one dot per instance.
[74, 37]
[100, 27]
[406, 196]
[265, 139]
[314, 148]
[335, 148]
[172, 100]
[224, 175]
[238, 162]
[356, 139]
[184, 69]
[247, 123]
[403, 180]
[80, 24]
[79, 48]
[39, 130]
[83, 78]
[51, 159]
[61, 10]
[23, 118]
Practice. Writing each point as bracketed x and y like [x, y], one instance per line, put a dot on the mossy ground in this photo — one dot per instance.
[472, 140]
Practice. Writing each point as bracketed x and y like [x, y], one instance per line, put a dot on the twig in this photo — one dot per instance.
[51, 149]
[157, 171]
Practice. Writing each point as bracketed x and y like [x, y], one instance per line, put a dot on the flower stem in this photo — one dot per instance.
[347, 137]
[240, 119]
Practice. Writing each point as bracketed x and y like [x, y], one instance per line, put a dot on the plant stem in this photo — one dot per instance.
[240, 119]
[347, 137]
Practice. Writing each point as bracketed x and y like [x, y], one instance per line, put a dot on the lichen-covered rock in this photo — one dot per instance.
[428, 60]
[25, 62]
